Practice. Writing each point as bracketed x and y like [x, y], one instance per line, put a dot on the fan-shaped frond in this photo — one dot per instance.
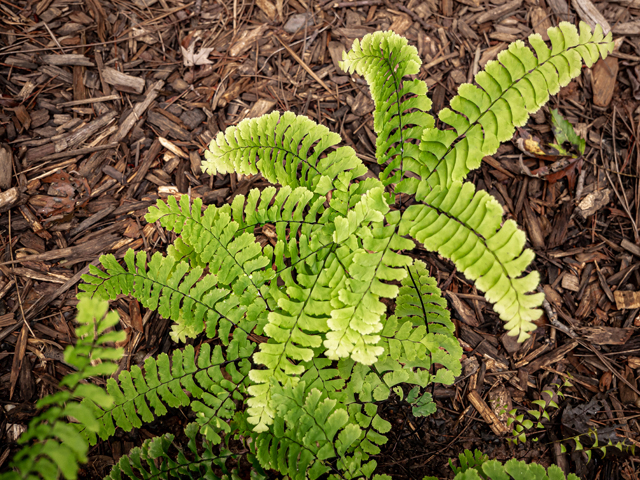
[288, 149]
[465, 226]
[510, 88]
[153, 460]
[386, 60]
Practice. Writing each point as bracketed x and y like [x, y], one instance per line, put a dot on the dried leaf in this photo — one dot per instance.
[190, 58]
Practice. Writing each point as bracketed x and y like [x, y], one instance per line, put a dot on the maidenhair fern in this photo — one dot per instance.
[308, 334]
[55, 447]
[479, 467]
[154, 461]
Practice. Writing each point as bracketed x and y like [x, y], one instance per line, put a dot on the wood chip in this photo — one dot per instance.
[261, 107]
[335, 50]
[268, 8]
[6, 167]
[570, 282]
[499, 12]
[247, 40]
[491, 53]
[487, 413]
[628, 28]
[603, 80]
[626, 300]
[550, 358]
[466, 313]
[67, 60]
[123, 82]
[172, 147]
[9, 198]
[605, 335]
[540, 22]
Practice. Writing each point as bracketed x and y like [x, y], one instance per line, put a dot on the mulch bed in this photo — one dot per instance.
[107, 107]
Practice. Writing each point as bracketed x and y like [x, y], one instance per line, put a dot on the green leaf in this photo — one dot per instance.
[564, 132]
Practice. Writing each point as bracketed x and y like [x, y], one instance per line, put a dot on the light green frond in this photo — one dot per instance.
[217, 239]
[368, 252]
[288, 149]
[465, 226]
[506, 92]
[305, 303]
[386, 61]
[153, 460]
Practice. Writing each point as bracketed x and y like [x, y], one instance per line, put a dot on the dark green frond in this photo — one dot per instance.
[154, 460]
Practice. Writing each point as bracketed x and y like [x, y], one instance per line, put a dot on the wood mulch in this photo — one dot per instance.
[108, 106]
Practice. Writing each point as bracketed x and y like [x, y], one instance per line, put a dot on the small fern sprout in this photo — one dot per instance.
[298, 341]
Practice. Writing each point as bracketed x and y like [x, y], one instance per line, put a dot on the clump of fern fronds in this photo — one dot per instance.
[305, 345]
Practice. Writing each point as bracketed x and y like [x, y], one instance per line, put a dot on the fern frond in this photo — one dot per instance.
[57, 446]
[310, 430]
[153, 460]
[509, 89]
[516, 469]
[215, 237]
[465, 226]
[306, 317]
[420, 300]
[385, 60]
[165, 382]
[288, 149]
[357, 309]
[190, 299]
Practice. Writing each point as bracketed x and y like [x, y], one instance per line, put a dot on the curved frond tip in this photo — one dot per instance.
[286, 148]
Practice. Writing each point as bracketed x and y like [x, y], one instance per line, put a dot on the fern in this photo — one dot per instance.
[470, 461]
[165, 381]
[385, 59]
[481, 116]
[479, 468]
[510, 88]
[153, 460]
[464, 226]
[55, 447]
[290, 152]
[349, 318]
